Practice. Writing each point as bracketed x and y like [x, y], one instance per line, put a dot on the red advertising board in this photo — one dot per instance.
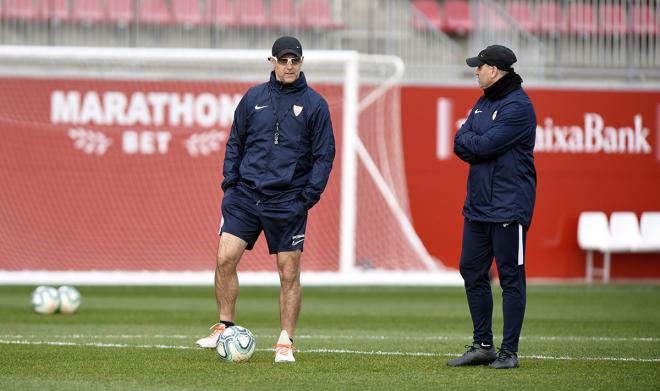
[107, 174]
[124, 175]
[596, 150]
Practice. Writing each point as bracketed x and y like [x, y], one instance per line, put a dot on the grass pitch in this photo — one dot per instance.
[574, 337]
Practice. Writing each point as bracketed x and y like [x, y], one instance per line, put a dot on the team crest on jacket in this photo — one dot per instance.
[297, 110]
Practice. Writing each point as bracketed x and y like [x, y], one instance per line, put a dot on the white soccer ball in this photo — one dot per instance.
[69, 299]
[45, 300]
[236, 344]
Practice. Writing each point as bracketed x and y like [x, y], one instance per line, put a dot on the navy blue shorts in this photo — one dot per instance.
[283, 223]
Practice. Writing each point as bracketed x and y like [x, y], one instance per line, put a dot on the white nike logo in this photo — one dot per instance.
[504, 225]
[297, 241]
[257, 107]
[478, 111]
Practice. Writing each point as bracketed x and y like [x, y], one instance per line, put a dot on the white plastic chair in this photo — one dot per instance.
[625, 231]
[594, 235]
[650, 232]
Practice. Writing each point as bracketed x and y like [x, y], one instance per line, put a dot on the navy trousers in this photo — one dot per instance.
[506, 243]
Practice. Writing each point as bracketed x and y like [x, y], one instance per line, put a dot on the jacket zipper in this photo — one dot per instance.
[277, 132]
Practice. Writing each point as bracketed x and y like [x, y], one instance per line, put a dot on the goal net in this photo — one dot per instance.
[111, 162]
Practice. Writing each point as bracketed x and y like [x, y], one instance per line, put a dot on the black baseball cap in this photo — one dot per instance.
[494, 55]
[285, 45]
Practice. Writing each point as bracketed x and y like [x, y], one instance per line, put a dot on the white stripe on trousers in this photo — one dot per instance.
[521, 252]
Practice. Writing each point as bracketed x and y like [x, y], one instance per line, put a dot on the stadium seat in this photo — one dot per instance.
[623, 233]
[593, 231]
[155, 12]
[283, 14]
[87, 11]
[427, 15]
[650, 232]
[58, 10]
[552, 18]
[221, 13]
[612, 19]
[120, 12]
[624, 228]
[457, 17]
[187, 13]
[315, 14]
[582, 19]
[643, 21]
[594, 235]
[21, 10]
[251, 13]
[522, 13]
[488, 17]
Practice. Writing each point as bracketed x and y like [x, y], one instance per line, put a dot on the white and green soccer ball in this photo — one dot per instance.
[69, 299]
[45, 300]
[236, 344]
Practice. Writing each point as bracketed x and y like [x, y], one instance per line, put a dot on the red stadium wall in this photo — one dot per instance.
[125, 175]
[596, 150]
[138, 188]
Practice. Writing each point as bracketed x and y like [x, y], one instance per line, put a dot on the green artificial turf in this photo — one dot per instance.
[574, 337]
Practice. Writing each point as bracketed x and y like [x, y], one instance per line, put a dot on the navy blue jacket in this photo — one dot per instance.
[280, 163]
[497, 140]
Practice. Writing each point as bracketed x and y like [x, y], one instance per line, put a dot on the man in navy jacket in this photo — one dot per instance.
[497, 141]
[277, 163]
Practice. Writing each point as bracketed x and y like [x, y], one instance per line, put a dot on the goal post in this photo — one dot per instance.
[113, 158]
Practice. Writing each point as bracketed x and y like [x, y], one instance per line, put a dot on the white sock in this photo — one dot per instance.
[284, 338]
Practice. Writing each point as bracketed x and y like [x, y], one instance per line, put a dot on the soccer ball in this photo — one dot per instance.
[45, 300]
[69, 299]
[236, 344]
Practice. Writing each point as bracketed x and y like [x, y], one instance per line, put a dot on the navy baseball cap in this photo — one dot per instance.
[287, 45]
[494, 55]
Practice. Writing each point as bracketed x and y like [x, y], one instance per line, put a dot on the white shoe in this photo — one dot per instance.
[211, 342]
[284, 348]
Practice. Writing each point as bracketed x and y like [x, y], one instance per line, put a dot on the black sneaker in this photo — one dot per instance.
[505, 359]
[477, 354]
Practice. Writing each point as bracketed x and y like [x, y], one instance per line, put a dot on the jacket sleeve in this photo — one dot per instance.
[323, 154]
[511, 125]
[235, 146]
[459, 149]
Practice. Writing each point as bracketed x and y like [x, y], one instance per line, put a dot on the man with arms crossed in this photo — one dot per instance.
[277, 163]
[497, 141]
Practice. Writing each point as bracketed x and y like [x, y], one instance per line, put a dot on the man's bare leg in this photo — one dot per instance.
[288, 266]
[230, 250]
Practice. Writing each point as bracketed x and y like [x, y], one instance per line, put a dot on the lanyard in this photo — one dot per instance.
[276, 139]
[277, 120]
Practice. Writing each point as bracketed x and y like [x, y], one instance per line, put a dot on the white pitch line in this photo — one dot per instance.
[591, 339]
[92, 344]
[354, 337]
[562, 358]
[107, 336]
[459, 338]
[338, 351]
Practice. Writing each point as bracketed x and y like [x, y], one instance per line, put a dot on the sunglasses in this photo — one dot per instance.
[287, 61]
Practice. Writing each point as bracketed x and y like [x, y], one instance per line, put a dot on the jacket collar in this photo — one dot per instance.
[280, 87]
[503, 87]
